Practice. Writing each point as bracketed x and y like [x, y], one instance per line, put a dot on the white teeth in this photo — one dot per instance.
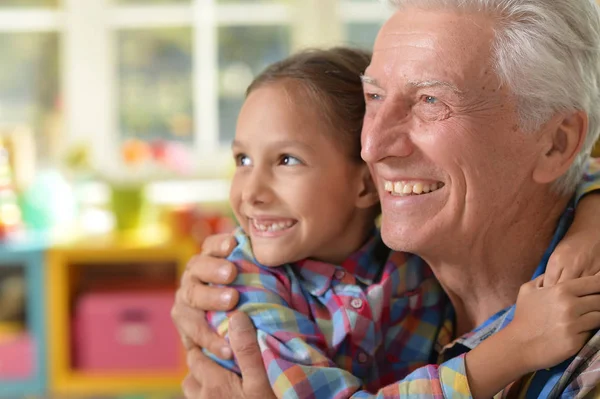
[403, 188]
[277, 226]
[398, 187]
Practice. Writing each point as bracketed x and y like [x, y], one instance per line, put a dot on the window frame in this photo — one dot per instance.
[88, 59]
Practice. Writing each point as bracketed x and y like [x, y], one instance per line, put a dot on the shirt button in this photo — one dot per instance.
[339, 274]
[362, 357]
[356, 303]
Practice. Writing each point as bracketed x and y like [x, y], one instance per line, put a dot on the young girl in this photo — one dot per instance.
[337, 313]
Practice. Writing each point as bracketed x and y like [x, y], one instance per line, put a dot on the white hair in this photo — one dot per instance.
[547, 52]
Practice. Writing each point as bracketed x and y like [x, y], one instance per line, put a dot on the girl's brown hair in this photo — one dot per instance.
[331, 79]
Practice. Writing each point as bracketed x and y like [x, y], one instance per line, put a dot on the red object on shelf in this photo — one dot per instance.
[126, 331]
[17, 357]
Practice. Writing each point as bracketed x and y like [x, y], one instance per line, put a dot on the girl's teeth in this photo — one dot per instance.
[277, 226]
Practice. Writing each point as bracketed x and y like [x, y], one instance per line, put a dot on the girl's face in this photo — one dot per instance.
[295, 192]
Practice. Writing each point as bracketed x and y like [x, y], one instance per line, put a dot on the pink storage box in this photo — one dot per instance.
[126, 331]
[17, 356]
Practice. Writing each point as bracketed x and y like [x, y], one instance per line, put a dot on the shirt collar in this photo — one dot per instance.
[365, 265]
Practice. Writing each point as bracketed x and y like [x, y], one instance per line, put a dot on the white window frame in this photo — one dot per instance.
[89, 78]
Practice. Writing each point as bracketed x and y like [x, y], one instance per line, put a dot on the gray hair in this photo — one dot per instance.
[547, 52]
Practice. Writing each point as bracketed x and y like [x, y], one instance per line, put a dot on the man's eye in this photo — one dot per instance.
[430, 100]
[373, 96]
[243, 160]
[289, 160]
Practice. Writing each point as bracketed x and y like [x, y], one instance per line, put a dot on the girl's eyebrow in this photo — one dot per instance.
[291, 143]
[279, 143]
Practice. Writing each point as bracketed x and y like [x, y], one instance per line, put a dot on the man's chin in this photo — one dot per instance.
[400, 237]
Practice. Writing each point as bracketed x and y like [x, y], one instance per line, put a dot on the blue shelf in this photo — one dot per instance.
[28, 253]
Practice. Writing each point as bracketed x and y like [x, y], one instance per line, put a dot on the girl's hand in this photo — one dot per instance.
[551, 324]
[578, 254]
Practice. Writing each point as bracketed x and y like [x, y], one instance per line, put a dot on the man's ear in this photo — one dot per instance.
[562, 144]
[367, 195]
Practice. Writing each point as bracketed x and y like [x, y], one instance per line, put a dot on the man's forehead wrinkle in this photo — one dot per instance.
[416, 39]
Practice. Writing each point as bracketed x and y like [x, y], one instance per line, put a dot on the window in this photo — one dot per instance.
[244, 52]
[29, 85]
[102, 71]
[155, 98]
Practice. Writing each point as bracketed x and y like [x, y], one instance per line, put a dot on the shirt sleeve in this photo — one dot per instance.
[447, 380]
[295, 351]
[591, 179]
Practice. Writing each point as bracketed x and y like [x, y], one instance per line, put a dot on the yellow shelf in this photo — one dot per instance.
[77, 383]
[62, 259]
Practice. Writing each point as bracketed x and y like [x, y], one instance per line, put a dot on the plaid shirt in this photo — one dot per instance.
[329, 331]
[370, 328]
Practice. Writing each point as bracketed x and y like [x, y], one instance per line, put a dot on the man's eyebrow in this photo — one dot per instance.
[435, 83]
[369, 80]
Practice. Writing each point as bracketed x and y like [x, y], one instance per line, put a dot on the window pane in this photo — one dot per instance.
[362, 34]
[150, 2]
[155, 84]
[29, 3]
[244, 51]
[253, 1]
[29, 87]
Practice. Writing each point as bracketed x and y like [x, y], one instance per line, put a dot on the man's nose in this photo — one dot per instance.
[257, 188]
[387, 135]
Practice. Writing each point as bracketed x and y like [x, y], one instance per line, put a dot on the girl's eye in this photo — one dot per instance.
[243, 160]
[289, 160]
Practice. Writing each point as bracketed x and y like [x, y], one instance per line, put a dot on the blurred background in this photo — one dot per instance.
[116, 118]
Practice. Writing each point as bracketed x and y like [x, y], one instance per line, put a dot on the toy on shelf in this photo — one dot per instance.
[12, 299]
[10, 213]
[198, 222]
[125, 331]
[16, 344]
[17, 356]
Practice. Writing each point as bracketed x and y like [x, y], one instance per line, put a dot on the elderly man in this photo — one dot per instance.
[497, 100]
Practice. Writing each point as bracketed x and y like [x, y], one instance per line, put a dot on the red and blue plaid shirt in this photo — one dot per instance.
[329, 331]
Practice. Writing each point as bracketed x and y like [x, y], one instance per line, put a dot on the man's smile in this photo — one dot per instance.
[405, 188]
